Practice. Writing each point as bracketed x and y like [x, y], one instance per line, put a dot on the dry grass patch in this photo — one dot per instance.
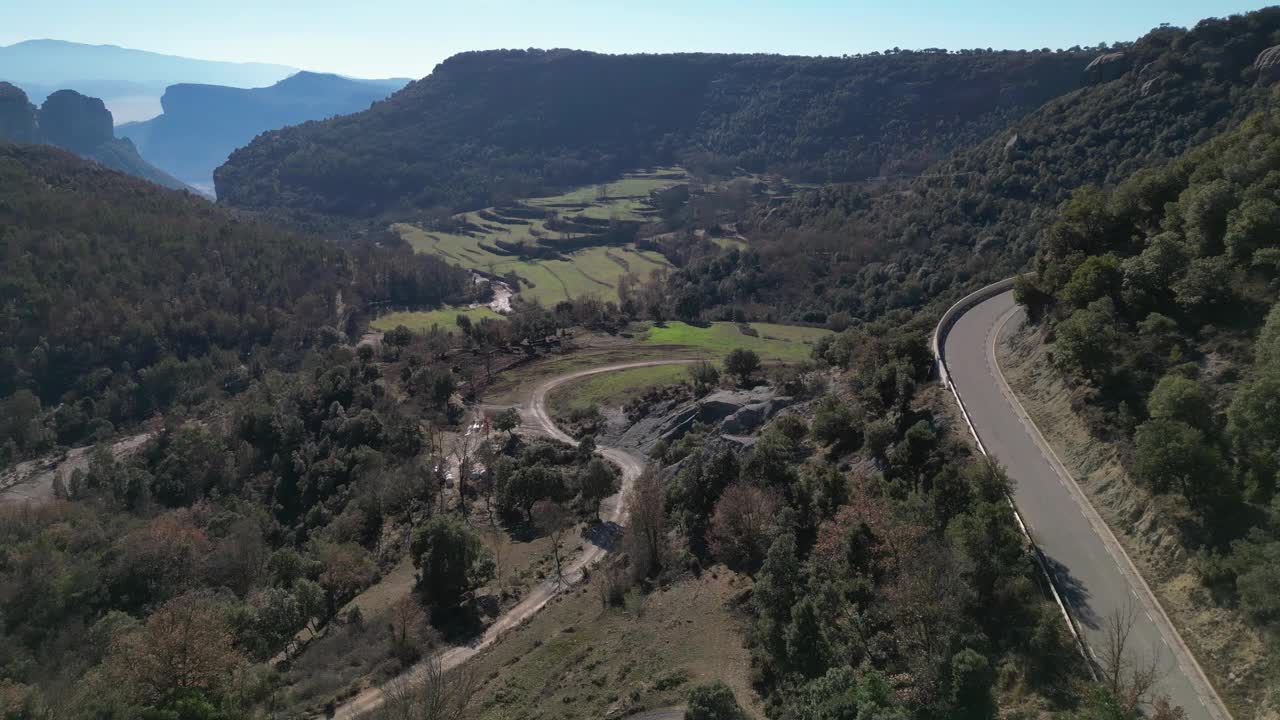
[578, 660]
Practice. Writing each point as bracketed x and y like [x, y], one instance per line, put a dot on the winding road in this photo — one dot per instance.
[1093, 574]
[537, 420]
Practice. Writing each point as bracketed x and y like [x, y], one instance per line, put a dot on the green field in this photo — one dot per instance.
[626, 198]
[592, 271]
[447, 319]
[613, 388]
[787, 343]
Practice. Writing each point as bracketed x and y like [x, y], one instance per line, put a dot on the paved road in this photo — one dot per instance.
[1093, 573]
[537, 420]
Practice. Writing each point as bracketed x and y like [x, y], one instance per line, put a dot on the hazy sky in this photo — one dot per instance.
[382, 38]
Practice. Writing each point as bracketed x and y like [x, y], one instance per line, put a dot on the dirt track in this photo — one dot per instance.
[32, 481]
[537, 420]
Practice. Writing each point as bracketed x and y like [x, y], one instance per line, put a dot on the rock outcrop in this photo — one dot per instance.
[75, 122]
[202, 124]
[1106, 67]
[729, 412]
[17, 115]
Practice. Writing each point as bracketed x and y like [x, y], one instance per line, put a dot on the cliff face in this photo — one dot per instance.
[202, 124]
[17, 115]
[503, 122]
[75, 122]
[78, 123]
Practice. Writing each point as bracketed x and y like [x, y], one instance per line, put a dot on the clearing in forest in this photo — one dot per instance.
[422, 321]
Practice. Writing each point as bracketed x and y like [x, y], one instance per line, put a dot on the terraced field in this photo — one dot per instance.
[447, 319]
[590, 271]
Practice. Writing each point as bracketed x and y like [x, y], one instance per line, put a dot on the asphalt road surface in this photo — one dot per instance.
[1094, 576]
[537, 420]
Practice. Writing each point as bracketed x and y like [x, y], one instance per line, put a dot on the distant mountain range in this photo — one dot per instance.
[130, 82]
[202, 124]
[78, 123]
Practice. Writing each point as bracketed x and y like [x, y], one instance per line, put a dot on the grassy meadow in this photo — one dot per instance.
[615, 388]
[446, 318]
[784, 343]
[590, 271]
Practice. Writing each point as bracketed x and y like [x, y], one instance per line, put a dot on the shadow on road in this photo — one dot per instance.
[1074, 594]
[604, 535]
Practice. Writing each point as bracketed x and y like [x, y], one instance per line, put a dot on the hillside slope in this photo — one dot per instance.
[202, 124]
[865, 249]
[119, 298]
[1162, 303]
[493, 125]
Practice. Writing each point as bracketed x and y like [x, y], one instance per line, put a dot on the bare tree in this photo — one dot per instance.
[611, 581]
[429, 693]
[553, 519]
[1126, 672]
[493, 534]
[410, 631]
[646, 537]
[483, 481]
[740, 526]
[462, 448]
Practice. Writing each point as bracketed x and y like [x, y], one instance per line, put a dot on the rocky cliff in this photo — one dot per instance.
[202, 124]
[78, 123]
[75, 122]
[17, 115]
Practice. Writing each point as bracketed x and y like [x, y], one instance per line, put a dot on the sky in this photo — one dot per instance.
[406, 38]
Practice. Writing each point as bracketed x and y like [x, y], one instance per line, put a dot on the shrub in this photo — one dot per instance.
[712, 701]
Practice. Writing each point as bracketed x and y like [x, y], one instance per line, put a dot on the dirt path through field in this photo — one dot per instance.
[537, 421]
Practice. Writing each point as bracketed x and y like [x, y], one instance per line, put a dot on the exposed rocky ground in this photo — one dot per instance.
[733, 414]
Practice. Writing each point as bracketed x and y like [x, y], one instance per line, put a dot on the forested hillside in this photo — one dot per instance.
[489, 126]
[1162, 301]
[863, 249]
[119, 299]
[890, 578]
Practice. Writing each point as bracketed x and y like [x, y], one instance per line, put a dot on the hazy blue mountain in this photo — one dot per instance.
[202, 124]
[78, 123]
[130, 82]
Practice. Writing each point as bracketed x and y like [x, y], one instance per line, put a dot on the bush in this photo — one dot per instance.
[704, 376]
[742, 364]
[836, 423]
[451, 560]
[712, 701]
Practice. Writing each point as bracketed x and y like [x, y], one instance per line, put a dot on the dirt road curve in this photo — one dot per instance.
[537, 419]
